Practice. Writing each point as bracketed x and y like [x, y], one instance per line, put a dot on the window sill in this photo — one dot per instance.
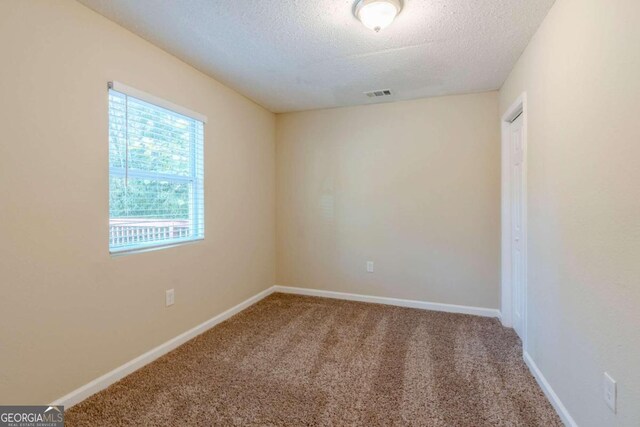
[153, 247]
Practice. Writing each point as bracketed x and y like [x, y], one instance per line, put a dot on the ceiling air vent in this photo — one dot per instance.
[378, 93]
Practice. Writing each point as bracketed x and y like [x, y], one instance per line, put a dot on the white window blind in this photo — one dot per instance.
[156, 174]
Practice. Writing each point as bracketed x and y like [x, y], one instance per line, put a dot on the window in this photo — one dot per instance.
[155, 172]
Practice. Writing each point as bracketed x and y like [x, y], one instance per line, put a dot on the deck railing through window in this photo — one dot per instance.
[130, 231]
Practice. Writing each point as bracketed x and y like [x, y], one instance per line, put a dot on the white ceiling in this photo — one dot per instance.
[290, 55]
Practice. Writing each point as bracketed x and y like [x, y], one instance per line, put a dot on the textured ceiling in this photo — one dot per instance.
[290, 55]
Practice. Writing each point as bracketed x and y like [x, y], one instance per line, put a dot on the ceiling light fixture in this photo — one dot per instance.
[377, 14]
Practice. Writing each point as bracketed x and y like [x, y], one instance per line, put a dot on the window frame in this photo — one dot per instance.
[195, 179]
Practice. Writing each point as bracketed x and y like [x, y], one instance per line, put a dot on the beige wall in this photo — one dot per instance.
[413, 186]
[68, 311]
[581, 74]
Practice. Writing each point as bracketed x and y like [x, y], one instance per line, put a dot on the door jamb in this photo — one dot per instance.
[517, 108]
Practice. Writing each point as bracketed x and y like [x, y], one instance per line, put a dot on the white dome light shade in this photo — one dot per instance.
[377, 14]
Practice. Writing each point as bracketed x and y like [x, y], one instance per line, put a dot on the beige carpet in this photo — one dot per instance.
[304, 361]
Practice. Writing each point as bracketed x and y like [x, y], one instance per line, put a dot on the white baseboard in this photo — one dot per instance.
[562, 411]
[434, 306]
[79, 394]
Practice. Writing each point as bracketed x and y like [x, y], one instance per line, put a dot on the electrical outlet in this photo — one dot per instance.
[369, 266]
[610, 392]
[170, 297]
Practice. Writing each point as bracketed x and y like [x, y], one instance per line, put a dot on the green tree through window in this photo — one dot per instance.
[156, 174]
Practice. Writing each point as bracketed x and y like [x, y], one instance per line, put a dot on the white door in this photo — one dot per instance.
[518, 260]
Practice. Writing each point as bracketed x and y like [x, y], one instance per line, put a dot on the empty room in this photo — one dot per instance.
[320, 213]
